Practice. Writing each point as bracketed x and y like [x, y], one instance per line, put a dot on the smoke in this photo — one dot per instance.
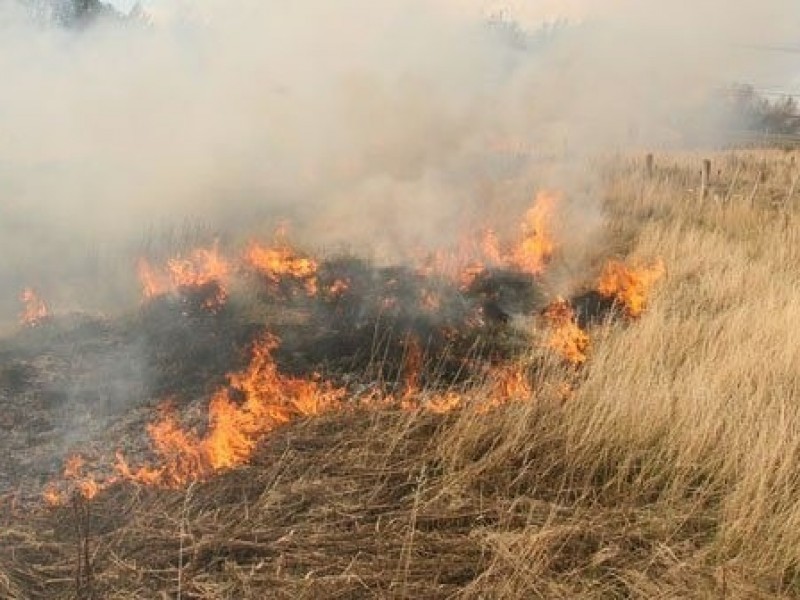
[383, 125]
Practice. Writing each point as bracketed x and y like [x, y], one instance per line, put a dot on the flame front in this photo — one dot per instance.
[258, 399]
[529, 251]
[269, 399]
[504, 384]
[566, 338]
[76, 482]
[281, 261]
[205, 269]
[537, 245]
[629, 286]
[34, 308]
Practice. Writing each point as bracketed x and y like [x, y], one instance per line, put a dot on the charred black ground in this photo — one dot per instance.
[78, 383]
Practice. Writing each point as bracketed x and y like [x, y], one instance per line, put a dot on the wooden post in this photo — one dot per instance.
[648, 161]
[705, 177]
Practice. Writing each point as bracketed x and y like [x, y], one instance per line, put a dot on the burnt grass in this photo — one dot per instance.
[74, 381]
[89, 384]
[368, 328]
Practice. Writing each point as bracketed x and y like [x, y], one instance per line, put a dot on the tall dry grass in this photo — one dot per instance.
[674, 470]
[671, 470]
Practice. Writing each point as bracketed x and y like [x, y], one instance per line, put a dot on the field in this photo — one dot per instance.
[664, 466]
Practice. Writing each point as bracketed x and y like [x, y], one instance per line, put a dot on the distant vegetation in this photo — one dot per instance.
[758, 113]
[71, 13]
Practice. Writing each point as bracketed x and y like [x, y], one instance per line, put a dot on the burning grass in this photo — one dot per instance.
[641, 442]
[34, 310]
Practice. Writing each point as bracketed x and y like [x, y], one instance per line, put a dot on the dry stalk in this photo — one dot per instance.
[84, 572]
[732, 186]
[409, 544]
[187, 495]
[751, 201]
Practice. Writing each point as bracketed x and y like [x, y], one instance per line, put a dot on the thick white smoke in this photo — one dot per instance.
[374, 123]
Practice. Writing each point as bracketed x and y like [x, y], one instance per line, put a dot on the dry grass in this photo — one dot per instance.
[671, 472]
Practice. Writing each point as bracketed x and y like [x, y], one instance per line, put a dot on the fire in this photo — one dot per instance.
[281, 261]
[530, 253]
[34, 308]
[566, 338]
[412, 373]
[77, 482]
[259, 398]
[204, 269]
[74, 466]
[510, 383]
[413, 396]
[443, 403]
[88, 488]
[629, 286]
[490, 247]
[430, 301]
[53, 497]
[338, 288]
[432, 263]
[504, 384]
[269, 400]
[470, 274]
[204, 266]
[537, 245]
[153, 283]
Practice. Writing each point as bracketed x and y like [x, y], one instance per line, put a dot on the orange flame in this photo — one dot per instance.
[269, 400]
[505, 385]
[469, 274]
[510, 383]
[412, 373]
[203, 268]
[567, 338]
[53, 496]
[74, 466]
[537, 245]
[78, 482]
[339, 287]
[629, 286]
[430, 301]
[88, 488]
[413, 397]
[530, 253]
[490, 247]
[153, 283]
[35, 309]
[282, 261]
[443, 402]
[259, 399]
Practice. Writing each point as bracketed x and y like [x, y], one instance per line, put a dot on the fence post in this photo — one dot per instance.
[705, 177]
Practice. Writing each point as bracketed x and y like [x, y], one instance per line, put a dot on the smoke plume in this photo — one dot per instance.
[384, 126]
